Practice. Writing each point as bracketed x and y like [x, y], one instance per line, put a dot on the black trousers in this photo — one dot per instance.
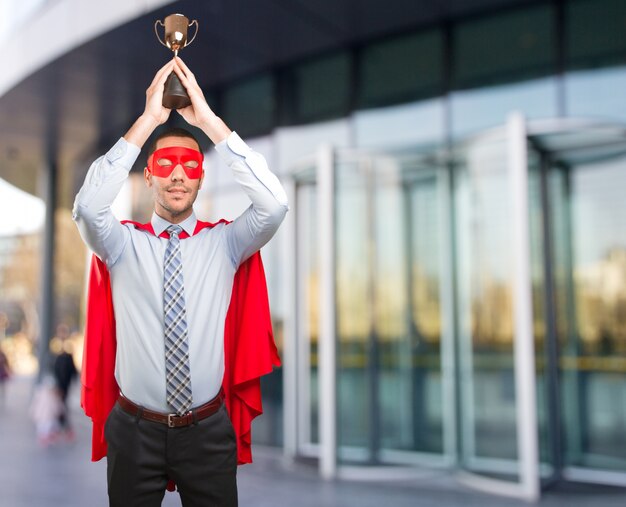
[142, 455]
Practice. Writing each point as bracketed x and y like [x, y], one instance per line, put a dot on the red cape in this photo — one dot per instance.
[249, 349]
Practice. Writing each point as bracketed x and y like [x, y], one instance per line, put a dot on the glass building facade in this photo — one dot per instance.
[429, 356]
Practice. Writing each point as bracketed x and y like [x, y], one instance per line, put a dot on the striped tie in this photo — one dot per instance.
[177, 372]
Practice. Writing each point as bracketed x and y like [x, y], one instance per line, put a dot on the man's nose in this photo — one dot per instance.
[178, 173]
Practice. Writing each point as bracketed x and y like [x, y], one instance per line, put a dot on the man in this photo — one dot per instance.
[171, 284]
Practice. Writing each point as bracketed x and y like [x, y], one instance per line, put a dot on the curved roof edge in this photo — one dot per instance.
[76, 22]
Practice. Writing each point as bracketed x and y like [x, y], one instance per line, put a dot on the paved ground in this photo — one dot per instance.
[62, 475]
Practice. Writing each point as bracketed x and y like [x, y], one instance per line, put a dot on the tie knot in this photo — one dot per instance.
[174, 230]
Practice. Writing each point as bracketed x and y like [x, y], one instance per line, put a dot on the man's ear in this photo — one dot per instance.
[147, 177]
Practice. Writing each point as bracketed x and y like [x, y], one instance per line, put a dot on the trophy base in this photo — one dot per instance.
[175, 96]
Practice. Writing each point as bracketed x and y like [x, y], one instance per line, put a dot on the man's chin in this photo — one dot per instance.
[179, 203]
[177, 207]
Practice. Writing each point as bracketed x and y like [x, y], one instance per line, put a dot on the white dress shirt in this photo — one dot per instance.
[210, 259]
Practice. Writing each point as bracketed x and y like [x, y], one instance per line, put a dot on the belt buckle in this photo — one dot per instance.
[170, 420]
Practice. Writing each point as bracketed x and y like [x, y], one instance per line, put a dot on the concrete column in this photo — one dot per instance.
[47, 272]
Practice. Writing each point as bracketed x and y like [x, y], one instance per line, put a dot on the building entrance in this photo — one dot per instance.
[463, 309]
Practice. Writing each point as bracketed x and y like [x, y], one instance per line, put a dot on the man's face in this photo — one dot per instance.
[174, 194]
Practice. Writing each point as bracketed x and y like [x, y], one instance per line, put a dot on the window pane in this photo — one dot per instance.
[249, 106]
[595, 32]
[419, 123]
[323, 88]
[401, 70]
[504, 47]
[593, 92]
[473, 110]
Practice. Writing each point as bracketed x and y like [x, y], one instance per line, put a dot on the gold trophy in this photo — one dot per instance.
[176, 26]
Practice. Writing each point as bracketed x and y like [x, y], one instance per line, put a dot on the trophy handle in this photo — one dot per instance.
[194, 34]
[159, 22]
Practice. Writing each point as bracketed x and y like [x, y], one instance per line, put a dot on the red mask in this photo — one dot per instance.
[162, 162]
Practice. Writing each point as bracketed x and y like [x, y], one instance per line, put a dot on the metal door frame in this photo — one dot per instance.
[528, 486]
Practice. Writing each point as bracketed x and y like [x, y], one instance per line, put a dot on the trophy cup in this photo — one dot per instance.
[176, 26]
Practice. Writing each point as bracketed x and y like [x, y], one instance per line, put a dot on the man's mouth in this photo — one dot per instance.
[177, 191]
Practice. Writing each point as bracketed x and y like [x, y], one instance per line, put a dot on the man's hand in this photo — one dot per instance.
[154, 95]
[154, 113]
[199, 114]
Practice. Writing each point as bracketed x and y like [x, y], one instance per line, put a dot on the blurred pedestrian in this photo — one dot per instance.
[64, 373]
[5, 374]
[45, 410]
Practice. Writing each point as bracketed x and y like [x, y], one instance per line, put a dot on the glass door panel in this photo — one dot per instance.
[589, 215]
[354, 299]
[496, 362]
[394, 372]
[408, 307]
[485, 303]
[307, 296]
[390, 395]
[542, 270]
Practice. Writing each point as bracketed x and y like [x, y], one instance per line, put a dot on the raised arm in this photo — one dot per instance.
[98, 227]
[255, 227]
[92, 208]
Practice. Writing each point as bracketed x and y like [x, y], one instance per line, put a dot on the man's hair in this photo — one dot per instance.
[172, 132]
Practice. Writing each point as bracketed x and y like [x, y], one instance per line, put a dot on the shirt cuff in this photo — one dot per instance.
[232, 148]
[123, 153]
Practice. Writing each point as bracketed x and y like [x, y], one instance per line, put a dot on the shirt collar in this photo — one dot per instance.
[159, 224]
